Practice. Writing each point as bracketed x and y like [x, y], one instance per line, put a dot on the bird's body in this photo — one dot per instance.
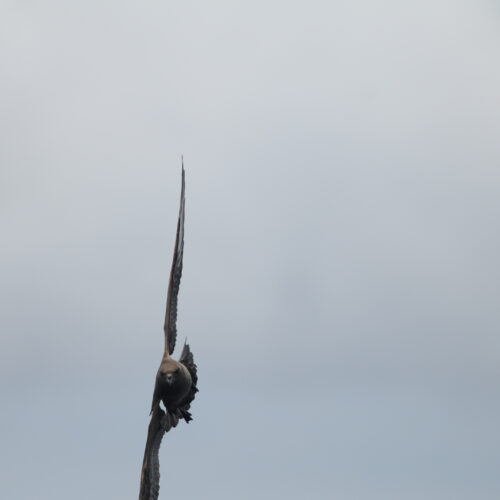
[173, 385]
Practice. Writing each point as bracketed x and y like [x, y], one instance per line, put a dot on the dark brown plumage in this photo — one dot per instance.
[176, 381]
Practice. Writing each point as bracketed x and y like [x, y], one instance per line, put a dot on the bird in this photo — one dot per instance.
[176, 381]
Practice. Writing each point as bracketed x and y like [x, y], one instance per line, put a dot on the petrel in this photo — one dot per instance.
[176, 381]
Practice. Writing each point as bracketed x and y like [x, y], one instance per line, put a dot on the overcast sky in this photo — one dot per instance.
[341, 288]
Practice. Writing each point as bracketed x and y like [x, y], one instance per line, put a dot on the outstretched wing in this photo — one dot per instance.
[187, 360]
[170, 326]
[150, 475]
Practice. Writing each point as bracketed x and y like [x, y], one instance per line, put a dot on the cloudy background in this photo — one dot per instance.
[341, 288]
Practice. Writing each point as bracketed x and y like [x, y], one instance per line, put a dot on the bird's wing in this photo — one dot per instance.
[170, 327]
[187, 360]
[150, 476]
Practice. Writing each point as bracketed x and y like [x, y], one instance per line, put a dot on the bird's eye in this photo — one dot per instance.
[178, 369]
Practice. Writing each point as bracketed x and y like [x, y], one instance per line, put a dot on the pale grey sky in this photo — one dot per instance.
[341, 282]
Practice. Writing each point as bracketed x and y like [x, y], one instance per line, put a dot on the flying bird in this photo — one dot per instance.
[176, 381]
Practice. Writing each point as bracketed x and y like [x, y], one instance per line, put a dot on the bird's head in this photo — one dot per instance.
[170, 376]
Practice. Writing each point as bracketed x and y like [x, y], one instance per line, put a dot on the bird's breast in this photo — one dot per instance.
[175, 389]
